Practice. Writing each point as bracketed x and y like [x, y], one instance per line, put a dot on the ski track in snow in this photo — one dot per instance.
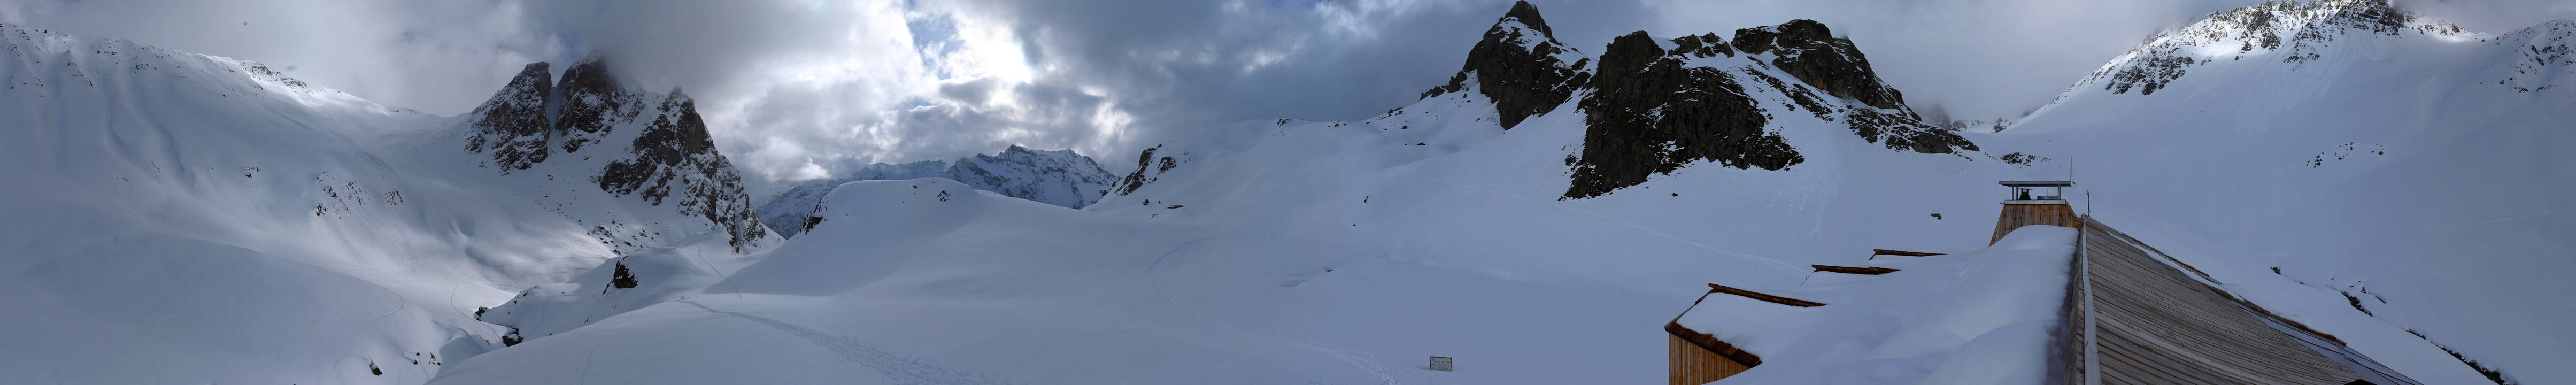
[900, 368]
[1766, 261]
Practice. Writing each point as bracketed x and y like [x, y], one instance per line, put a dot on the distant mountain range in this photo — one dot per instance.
[1060, 178]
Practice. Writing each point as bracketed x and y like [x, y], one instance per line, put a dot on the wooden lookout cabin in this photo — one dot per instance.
[2131, 315]
[2024, 209]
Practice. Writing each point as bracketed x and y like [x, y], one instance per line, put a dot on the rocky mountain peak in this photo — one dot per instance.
[1649, 113]
[667, 155]
[1652, 110]
[590, 99]
[1520, 66]
[674, 157]
[2285, 31]
[1809, 51]
[512, 126]
[1528, 15]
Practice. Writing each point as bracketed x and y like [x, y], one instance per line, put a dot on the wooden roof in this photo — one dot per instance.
[2149, 322]
[1710, 342]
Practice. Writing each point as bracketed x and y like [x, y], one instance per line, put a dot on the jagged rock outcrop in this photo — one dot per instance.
[589, 102]
[1520, 66]
[1145, 160]
[674, 155]
[1651, 111]
[512, 126]
[1809, 51]
[1649, 114]
[664, 154]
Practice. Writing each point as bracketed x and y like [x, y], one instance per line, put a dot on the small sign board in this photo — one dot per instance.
[1440, 363]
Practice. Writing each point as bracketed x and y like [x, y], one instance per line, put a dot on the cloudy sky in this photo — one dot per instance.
[797, 89]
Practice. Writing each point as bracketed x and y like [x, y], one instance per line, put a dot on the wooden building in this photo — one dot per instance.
[1698, 357]
[2132, 315]
[2023, 209]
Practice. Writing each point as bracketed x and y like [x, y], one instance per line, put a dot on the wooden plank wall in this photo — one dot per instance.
[2157, 326]
[1693, 365]
[2016, 216]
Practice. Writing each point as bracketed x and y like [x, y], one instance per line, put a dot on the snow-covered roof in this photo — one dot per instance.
[1977, 316]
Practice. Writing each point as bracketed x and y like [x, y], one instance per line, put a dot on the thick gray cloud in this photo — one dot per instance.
[804, 88]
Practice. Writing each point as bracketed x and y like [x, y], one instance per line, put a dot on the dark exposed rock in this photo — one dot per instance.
[589, 102]
[2021, 159]
[513, 124]
[671, 157]
[2149, 71]
[1809, 51]
[1904, 132]
[674, 156]
[1138, 179]
[1516, 66]
[1528, 14]
[1702, 45]
[623, 278]
[1649, 114]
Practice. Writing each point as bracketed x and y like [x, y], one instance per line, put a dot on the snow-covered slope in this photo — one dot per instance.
[174, 217]
[1060, 178]
[2379, 176]
[2382, 162]
[1340, 252]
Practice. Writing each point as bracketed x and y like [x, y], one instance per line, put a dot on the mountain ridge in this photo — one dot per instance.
[670, 153]
[1060, 177]
[181, 209]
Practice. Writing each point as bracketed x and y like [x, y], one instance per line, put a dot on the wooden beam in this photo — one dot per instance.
[1879, 252]
[1716, 288]
[1854, 270]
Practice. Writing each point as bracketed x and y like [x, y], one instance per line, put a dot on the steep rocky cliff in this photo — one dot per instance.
[622, 140]
[1520, 66]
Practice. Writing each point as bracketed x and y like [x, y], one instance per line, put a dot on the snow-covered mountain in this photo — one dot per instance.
[2377, 176]
[2394, 176]
[651, 145]
[1059, 177]
[2397, 179]
[175, 217]
[1340, 251]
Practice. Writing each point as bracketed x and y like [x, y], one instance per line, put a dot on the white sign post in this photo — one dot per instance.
[1440, 363]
